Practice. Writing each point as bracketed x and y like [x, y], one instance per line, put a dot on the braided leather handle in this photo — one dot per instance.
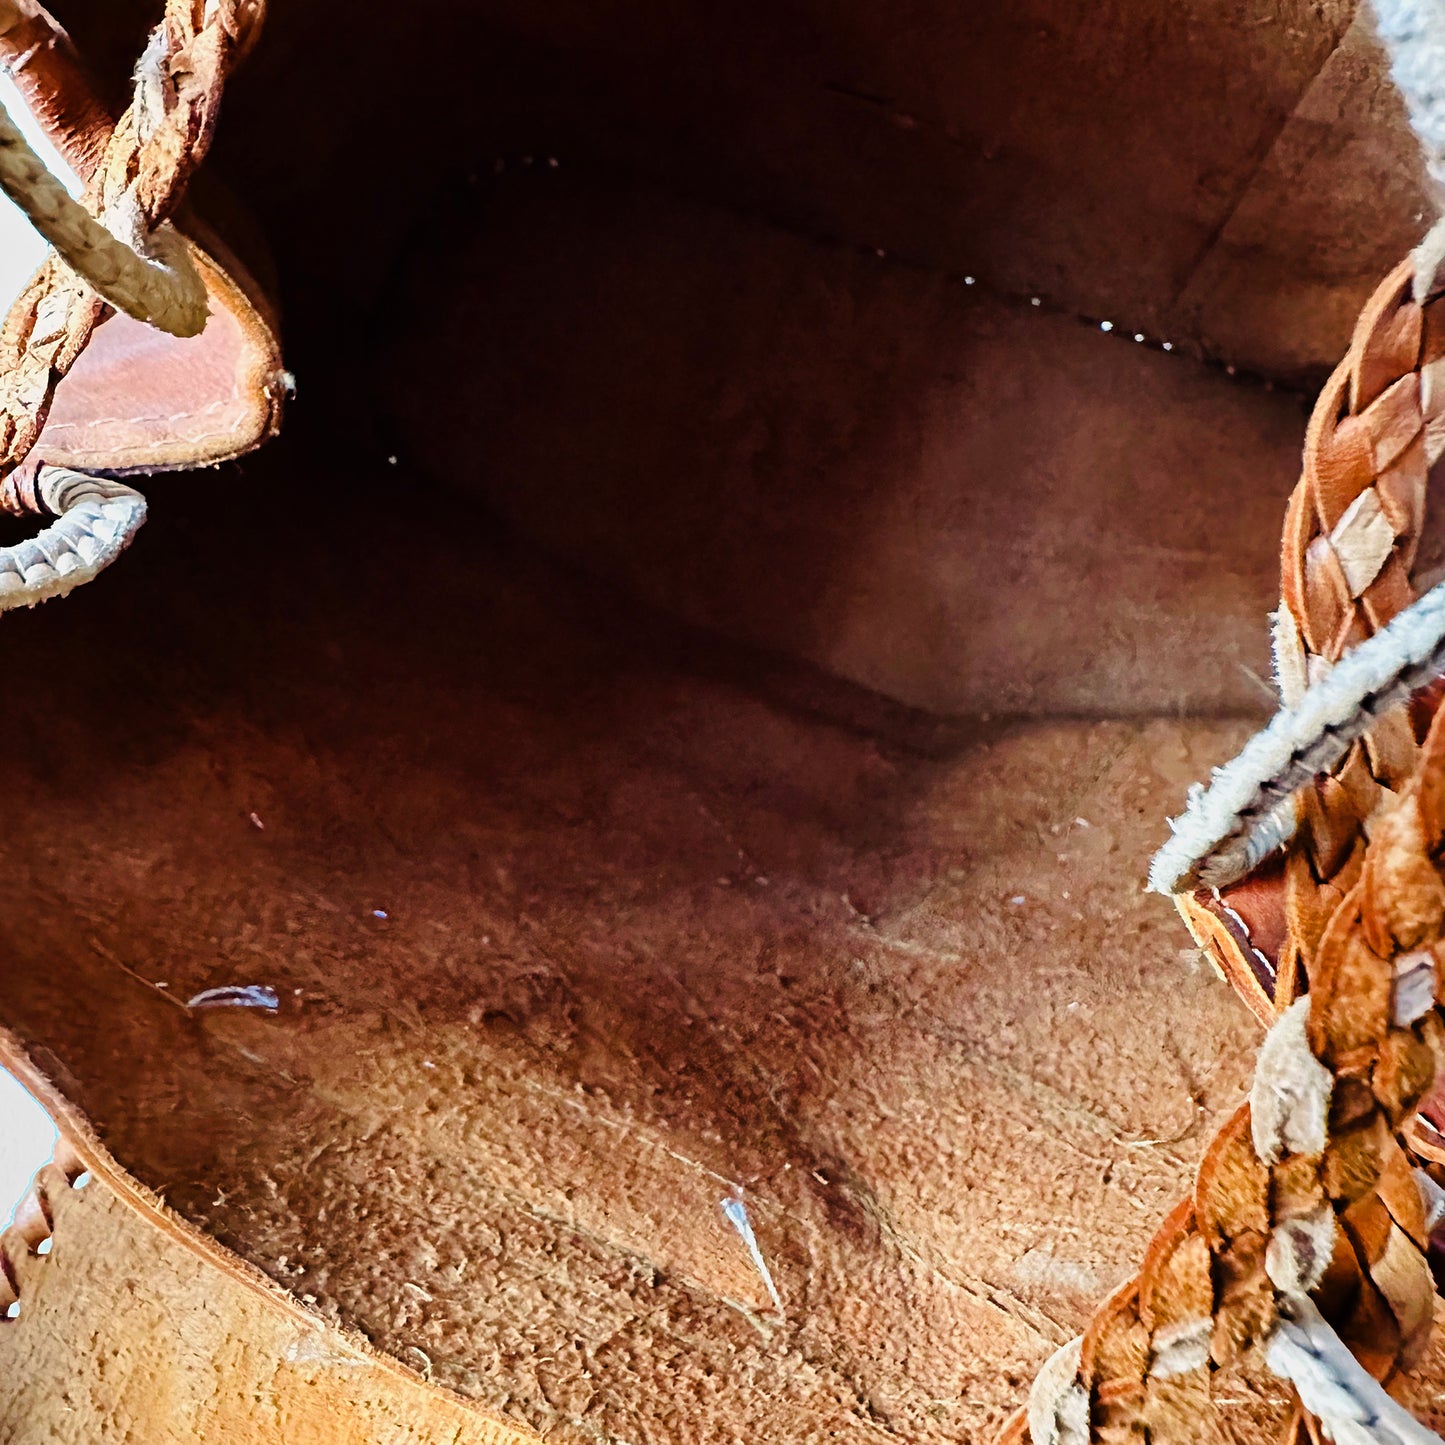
[1208, 1292]
[1305, 1209]
[1262, 932]
[1228, 1271]
[139, 178]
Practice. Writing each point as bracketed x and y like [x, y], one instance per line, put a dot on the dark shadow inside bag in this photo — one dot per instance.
[779, 503]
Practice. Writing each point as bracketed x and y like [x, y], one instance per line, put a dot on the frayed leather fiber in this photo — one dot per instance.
[1289, 1102]
[1058, 1403]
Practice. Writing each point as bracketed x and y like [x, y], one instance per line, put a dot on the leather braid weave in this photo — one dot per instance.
[1351, 536]
[151, 154]
[1377, 427]
[1277, 1213]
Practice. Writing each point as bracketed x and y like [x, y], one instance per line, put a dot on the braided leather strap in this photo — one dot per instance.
[1305, 1197]
[1350, 540]
[151, 154]
[1354, 521]
[96, 520]
[1351, 534]
[1377, 427]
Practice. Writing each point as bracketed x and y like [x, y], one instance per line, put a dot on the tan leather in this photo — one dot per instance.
[917, 1082]
[137, 400]
[85, 1372]
[651, 937]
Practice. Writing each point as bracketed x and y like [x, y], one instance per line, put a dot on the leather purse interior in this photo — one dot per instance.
[781, 502]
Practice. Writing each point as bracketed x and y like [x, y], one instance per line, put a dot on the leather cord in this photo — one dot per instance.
[42, 62]
[151, 278]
